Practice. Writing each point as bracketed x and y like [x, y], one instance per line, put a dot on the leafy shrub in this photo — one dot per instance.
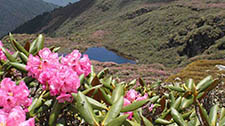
[65, 90]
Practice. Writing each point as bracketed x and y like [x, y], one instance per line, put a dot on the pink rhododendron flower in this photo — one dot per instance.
[60, 77]
[126, 102]
[84, 66]
[49, 59]
[142, 98]
[3, 117]
[65, 82]
[33, 66]
[151, 107]
[132, 96]
[42, 65]
[64, 97]
[16, 117]
[12, 95]
[80, 65]
[71, 59]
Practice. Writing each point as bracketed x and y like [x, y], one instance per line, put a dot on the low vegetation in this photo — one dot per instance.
[65, 90]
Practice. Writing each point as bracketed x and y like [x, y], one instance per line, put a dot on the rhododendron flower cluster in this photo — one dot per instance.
[15, 117]
[132, 96]
[12, 95]
[61, 77]
[13, 100]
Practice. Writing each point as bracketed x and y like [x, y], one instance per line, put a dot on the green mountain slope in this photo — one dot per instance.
[61, 2]
[168, 32]
[16, 12]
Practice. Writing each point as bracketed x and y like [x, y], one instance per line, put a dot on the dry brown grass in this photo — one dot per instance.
[199, 70]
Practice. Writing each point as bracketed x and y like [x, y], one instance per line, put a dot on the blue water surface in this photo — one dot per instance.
[104, 55]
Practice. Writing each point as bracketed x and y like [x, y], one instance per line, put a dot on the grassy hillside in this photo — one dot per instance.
[16, 12]
[169, 32]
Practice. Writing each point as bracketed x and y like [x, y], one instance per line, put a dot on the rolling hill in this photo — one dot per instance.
[16, 12]
[170, 32]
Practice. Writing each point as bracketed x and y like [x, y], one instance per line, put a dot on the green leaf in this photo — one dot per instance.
[187, 114]
[177, 117]
[154, 99]
[204, 115]
[19, 47]
[222, 113]
[81, 78]
[175, 88]
[117, 93]
[165, 113]
[102, 73]
[1, 73]
[37, 102]
[95, 104]
[15, 55]
[132, 83]
[186, 102]
[18, 66]
[90, 89]
[118, 121]
[177, 103]
[32, 107]
[40, 42]
[172, 98]
[23, 57]
[107, 82]
[190, 84]
[33, 47]
[146, 121]
[222, 122]
[85, 109]
[56, 49]
[194, 122]
[136, 116]
[55, 113]
[59, 124]
[135, 105]
[100, 118]
[28, 80]
[106, 97]
[92, 71]
[132, 123]
[203, 84]
[114, 111]
[11, 38]
[213, 115]
[8, 55]
[155, 84]
[162, 121]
